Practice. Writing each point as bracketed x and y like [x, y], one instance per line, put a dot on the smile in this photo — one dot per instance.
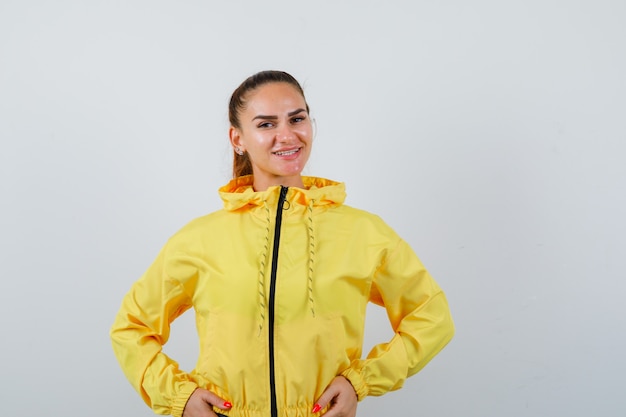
[287, 153]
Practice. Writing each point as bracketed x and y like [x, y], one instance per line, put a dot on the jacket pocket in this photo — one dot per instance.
[309, 353]
[233, 357]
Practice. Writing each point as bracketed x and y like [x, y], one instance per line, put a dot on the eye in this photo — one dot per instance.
[265, 125]
[298, 119]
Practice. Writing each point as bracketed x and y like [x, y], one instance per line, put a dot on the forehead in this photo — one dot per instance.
[277, 96]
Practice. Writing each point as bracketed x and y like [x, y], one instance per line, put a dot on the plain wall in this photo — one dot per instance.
[490, 134]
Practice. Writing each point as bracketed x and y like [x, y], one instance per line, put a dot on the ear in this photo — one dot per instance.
[235, 138]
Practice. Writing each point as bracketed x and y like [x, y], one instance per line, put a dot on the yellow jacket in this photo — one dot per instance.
[280, 298]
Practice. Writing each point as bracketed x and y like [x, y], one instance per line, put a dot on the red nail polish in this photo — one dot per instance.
[316, 408]
[227, 404]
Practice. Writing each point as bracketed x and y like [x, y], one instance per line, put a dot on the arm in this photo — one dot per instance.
[419, 315]
[142, 327]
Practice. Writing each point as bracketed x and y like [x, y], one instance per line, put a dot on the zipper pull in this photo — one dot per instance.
[283, 198]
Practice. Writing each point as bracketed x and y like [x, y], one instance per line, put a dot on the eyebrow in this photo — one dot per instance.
[291, 113]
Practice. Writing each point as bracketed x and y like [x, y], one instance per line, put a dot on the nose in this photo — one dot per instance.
[285, 133]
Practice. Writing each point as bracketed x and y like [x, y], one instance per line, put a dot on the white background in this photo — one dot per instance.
[490, 134]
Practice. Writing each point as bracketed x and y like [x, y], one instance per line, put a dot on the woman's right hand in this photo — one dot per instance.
[201, 402]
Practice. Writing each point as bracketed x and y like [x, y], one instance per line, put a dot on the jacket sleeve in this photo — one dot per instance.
[419, 315]
[142, 327]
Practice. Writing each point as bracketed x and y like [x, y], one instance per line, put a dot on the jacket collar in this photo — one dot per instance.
[238, 193]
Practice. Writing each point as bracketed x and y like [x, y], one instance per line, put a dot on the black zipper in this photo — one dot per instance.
[279, 219]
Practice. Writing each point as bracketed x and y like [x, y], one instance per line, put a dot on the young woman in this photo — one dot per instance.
[279, 280]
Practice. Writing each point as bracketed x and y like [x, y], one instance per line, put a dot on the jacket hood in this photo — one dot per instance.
[239, 194]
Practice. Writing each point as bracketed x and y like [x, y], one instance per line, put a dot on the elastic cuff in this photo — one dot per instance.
[184, 392]
[359, 385]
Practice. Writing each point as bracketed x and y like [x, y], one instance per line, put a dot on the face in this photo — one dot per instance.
[276, 133]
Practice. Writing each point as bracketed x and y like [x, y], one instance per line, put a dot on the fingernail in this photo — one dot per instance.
[227, 404]
[316, 408]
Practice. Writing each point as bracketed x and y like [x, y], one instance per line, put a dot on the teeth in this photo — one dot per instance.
[286, 152]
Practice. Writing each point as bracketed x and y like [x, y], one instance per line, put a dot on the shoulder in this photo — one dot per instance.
[206, 220]
[363, 221]
[198, 229]
[360, 214]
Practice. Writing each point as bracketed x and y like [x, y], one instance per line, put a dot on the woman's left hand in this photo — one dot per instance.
[341, 396]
